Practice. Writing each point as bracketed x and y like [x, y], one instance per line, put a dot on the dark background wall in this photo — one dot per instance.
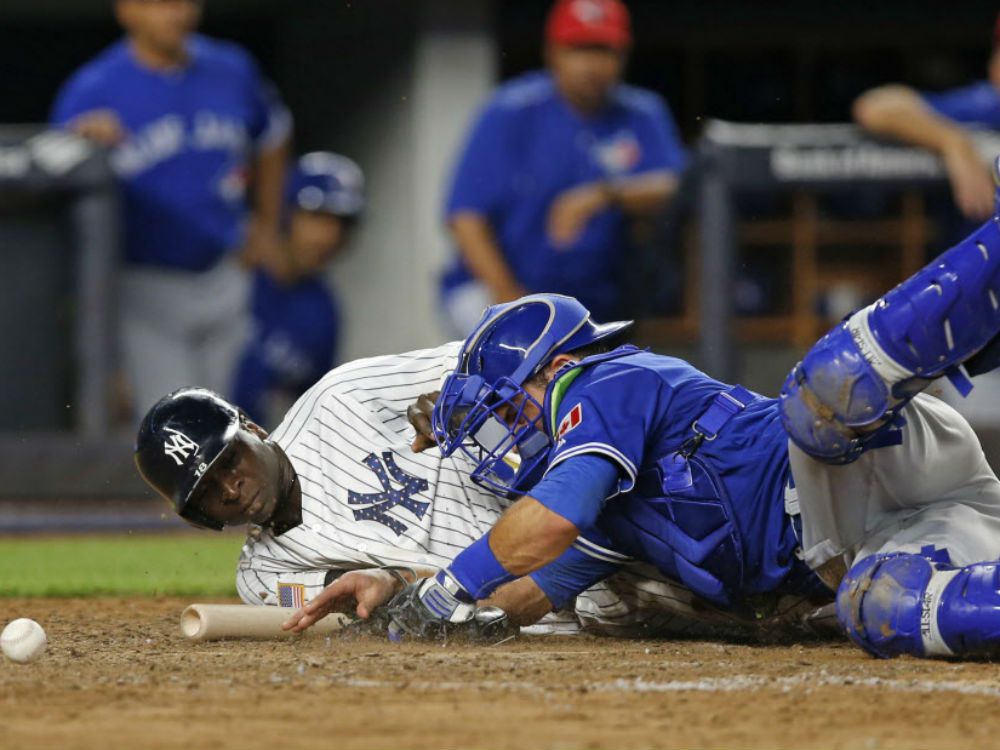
[779, 61]
[763, 61]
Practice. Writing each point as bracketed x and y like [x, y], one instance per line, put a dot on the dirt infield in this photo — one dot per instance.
[119, 674]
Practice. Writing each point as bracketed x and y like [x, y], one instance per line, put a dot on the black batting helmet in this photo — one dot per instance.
[179, 440]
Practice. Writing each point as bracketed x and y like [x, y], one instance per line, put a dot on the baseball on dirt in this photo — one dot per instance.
[23, 640]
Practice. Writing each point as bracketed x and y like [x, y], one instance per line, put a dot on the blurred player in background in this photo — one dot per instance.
[555, 165]
[940, 122]
[296, 320]
[944, 123]
[191, 123]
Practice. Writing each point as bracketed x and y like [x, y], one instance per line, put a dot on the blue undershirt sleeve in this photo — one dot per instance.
[577, 488]
[570, 574]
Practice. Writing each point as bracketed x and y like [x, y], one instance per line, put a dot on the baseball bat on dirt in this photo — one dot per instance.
[209, 622]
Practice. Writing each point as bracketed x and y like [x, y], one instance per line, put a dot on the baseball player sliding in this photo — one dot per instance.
[853, 482]
[336, 487]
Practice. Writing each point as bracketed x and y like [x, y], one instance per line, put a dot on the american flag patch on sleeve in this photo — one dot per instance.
[291, 595]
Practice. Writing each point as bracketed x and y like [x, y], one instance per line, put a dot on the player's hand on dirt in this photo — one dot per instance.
[971, 182]
[419, 415]
[101, 126]
[365, 590]
[572, 210]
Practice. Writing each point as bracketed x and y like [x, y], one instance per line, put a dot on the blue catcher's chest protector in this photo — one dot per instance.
[703, 468]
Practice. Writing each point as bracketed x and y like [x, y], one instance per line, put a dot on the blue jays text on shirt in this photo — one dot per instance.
[185, 161]
[167, 136]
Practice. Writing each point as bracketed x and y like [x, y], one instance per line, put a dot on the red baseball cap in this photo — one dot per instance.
[581, 22]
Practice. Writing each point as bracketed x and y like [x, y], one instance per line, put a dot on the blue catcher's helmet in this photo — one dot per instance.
[179, 439]
[327, 183]
[512, 343]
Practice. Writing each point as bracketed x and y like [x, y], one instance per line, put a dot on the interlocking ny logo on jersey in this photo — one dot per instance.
[179, 446]
[379, 503]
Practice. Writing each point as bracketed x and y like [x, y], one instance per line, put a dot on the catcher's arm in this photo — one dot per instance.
[523, 601]
[366, 590]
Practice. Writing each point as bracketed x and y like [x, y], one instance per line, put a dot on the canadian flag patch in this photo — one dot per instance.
[570, 421]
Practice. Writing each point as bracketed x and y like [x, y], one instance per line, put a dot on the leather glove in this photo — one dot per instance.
[433, 609]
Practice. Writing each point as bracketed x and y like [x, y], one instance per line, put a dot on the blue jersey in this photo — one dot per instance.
[190, 136]
[526, 148]
[975, 104]
[714, 520]
[294, 341]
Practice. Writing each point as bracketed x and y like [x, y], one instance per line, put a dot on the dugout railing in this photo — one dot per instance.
[738, 159]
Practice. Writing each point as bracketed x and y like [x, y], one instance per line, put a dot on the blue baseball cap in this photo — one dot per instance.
[327, 183]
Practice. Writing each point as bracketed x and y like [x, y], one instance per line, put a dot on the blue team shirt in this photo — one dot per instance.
[528, 146]
[636, 409]
[975, 104]
[294, 341]
[191, 135]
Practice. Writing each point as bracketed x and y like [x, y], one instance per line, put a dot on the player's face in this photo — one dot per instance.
[516, 417]
[163, 25]
[585, 75]
[314, 239]
[243, 484]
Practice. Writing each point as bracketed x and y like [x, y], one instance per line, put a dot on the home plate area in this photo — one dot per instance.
[118, 673]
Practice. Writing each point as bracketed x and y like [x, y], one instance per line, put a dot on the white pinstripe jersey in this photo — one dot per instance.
[367, 499]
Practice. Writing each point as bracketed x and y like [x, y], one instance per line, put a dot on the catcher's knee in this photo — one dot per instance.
[846, 391]
[920, 605]
[834, 404]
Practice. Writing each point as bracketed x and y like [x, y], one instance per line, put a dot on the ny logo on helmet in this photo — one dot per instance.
[179, 446]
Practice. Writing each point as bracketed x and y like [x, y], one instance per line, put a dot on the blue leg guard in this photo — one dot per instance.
[911, 604]
[845, 393]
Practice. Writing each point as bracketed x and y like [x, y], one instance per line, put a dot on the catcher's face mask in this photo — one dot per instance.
[484, 408]
[497, 426]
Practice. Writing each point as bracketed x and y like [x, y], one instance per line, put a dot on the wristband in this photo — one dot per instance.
[477, 570]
